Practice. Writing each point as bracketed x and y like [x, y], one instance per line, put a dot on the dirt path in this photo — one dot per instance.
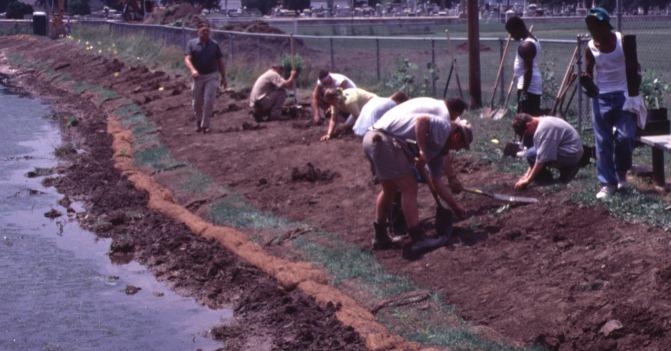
[266, 317]
[555, 274]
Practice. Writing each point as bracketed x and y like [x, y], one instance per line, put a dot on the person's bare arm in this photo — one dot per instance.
[445, 194]
[222, 71]
[529, 176]
[421, 133]
[451, 174]
[527, 52]
[189, 65]
[589, 63]
[290, 81]
[315, 103]
[332, 124]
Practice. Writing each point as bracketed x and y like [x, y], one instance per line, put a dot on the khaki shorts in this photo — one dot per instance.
[386, 155]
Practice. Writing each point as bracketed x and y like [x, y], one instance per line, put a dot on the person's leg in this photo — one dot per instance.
[533, 104]
[531, 156]
[407, 185]
[545, 175]
[198, 95]
[210, 95]
[568, 166]
[277, 97]
[603, 138]
[384, 200]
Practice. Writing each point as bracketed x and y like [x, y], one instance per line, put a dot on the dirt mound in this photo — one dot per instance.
[182, 13]
[254, 27]
[309, 173]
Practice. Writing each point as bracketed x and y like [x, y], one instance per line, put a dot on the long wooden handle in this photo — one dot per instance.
[432, 187]
[500, 70]
[293, 51]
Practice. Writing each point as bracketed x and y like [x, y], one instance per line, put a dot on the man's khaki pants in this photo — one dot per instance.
[204, 92]
[271, 104]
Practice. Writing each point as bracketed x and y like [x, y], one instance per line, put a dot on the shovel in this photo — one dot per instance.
[489, 110]
[453, 68]
[293, 66]
[443, 226]
[503, 197]
[503, 110]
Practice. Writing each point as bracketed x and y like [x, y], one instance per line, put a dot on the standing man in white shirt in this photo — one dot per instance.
[605, 80]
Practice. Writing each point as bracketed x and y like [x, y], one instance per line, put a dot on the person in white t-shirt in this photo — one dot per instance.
[527, 73]
[388, 145]
[326, 80]
[605, 79]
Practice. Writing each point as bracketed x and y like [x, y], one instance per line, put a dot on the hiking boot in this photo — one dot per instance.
[381, 241]
[567, 174]
[605, 192]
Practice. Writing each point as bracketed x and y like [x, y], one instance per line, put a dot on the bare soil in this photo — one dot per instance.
[266, 317]
[552, 274]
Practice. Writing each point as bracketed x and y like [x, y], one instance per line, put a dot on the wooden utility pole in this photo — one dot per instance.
[474, 54]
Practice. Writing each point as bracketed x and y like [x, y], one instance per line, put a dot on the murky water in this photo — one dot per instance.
[58, 289]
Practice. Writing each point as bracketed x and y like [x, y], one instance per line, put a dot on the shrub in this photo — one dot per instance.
[79, 7]
[17, 10]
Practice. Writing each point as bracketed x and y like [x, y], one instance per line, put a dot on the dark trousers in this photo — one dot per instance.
[532, 105]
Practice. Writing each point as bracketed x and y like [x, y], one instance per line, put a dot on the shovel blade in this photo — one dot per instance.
[417, 249]
[521, 199]
[499, 114]
[443, 224]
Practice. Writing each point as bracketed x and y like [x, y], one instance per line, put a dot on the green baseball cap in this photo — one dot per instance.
[600, 14]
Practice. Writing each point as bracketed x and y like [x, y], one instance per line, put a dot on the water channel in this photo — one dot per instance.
[58, 288]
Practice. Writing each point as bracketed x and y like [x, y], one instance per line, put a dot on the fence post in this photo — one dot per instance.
[502, 84]
[377, 59]
[230, 48]
[433, 67]
[332, 55]
[579, 70]
[258, 50]
[183, 36]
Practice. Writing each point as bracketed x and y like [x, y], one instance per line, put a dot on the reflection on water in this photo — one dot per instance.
[58, 289]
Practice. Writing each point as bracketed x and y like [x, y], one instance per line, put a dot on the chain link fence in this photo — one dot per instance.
[418, 64]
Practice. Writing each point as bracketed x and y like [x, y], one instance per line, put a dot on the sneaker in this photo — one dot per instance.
[605, 192]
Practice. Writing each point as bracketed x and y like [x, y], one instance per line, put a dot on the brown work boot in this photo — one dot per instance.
[382, 241]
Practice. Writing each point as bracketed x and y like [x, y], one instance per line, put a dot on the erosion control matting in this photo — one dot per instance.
[556, 274]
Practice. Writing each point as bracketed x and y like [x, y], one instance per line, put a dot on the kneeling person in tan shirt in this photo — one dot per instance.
[269, 92]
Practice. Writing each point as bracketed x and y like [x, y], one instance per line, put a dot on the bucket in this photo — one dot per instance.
[40, 23]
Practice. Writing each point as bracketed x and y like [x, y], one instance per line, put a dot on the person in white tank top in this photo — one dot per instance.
[605, 67]
[527, 74]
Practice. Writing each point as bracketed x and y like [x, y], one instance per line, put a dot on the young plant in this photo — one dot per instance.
[653, 89]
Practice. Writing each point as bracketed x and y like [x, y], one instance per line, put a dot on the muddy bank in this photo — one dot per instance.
[266, 316]
[555, 274]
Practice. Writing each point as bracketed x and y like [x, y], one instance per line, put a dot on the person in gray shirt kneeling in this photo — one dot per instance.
[556, 144]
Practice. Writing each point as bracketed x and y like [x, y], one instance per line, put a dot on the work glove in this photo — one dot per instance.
[588, 86]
